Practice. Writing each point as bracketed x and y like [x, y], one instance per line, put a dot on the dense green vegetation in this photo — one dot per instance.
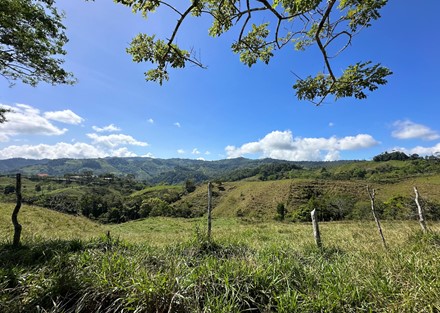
[147, 170]
[106, 199]
[66, 264]
[386, 166]
[336, 189]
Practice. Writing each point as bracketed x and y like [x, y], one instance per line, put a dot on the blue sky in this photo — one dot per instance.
[227, 110]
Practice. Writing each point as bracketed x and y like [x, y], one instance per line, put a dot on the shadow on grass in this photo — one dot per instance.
[36, 253]
[45, 269]
[40, 251]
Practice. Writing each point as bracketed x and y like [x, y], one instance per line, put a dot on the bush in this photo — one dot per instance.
[61, 202]
[399, 208]
[154, 207]
[361, 211]
[301, 214]
[281, 211]
[431, 209]
[9, 189]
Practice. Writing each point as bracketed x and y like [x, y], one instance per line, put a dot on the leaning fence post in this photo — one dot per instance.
[420, 211]
[372, 195]
[209, 209]
[17, 226]
[316, 232]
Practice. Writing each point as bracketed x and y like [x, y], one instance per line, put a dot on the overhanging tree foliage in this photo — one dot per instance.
[301, 23]
[31, 42]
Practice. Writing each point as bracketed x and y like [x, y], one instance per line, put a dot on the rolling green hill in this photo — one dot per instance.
[242, 188]
[259, 199]
[171, 171]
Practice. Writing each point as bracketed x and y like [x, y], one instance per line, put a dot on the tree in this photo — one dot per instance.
[264, 27]
[281, 211]
[189, 186]
[31, 40]
[155, 207]
[395, 155]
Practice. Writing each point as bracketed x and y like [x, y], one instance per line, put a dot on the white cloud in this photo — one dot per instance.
[331, 124]
[148, 155]
[200, 159]
[26, 120]
[332, 155]
[282, 145]
[434, 150]
[410, 130]
[122, 153]
[115, 140]
[109, 128]
[78, 150]
[65, 116]
[181, 151]
[207, 153]
[195, 151]
[59, 150]
[151, 121]
[177, 124]
[360, 141]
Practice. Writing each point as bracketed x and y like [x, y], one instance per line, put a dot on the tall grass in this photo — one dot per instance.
[168, 265]
[43, 223]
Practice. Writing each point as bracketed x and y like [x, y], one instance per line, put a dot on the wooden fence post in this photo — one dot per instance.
[209, 209]
[17, 226]
[372, 195]
[420, 211]
[316, 232]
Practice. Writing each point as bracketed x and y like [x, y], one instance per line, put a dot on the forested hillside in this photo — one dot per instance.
[242, 188]
[153, 171]
[386, 166]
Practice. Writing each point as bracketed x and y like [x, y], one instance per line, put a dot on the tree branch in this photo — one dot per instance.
[171, 7]
[249, 15]
[179, 22]
[270, 8]
[336, 36]
[318, 39]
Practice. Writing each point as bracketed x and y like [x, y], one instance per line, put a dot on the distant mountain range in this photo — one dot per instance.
[172, 171]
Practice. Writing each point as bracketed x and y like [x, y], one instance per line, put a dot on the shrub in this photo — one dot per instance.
[281, 211]
[301, 214]
[399, 208]
[154, 207]
[9, 189]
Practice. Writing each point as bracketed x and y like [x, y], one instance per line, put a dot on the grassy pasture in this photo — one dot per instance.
[66, 264]
[161, 232]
